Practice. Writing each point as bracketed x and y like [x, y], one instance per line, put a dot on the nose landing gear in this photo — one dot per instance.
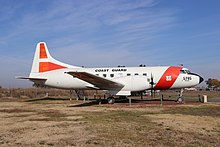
[180, 99]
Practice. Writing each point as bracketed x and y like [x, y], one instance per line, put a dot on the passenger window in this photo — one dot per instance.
[104, 75]
[136, 74]
[111, 75]
[144, 74]
[128, 74]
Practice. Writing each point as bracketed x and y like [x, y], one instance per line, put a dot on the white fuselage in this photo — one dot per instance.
[134, 78]
[117, 80]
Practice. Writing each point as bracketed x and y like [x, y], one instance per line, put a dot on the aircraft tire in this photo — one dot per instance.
[111, 100]
[180, 100]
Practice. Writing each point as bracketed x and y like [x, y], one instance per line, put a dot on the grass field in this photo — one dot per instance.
[60, 122]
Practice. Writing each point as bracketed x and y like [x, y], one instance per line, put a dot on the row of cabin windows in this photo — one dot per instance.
[128, 74]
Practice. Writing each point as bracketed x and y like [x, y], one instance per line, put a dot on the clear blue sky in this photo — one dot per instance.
[110, 33]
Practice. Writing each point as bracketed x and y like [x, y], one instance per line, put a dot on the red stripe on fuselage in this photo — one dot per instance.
[168, 78]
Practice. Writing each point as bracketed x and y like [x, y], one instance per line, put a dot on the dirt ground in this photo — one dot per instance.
[60, 122]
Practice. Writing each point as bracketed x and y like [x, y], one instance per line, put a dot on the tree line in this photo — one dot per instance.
[213, 83]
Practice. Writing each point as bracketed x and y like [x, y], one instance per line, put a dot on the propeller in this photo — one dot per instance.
[152, 85]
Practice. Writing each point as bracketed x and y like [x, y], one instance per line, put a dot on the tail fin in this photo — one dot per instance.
[43, 62]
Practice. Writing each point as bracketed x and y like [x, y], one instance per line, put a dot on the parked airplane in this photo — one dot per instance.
[119, 81]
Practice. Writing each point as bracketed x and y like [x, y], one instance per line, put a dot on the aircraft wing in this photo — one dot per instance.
[97, 81]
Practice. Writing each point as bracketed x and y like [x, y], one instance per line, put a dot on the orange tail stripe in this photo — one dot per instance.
[43, 53]
[48, 66]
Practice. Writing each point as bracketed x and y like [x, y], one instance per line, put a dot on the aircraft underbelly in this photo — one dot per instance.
[67, 82]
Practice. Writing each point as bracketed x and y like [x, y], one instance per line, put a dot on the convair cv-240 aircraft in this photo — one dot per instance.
[119, 81]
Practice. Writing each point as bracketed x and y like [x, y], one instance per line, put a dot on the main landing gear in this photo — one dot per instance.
[180, 98]
[111, 100]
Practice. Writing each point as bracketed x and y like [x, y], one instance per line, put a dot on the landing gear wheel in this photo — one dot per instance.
[111, 100]
[180, 100]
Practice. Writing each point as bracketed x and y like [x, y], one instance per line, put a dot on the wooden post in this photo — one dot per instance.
[130, 101]
[199, 98]
[36, 92]
[100, 100]
[70, 95]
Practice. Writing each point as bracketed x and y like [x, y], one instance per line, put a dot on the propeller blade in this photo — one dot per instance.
[152, 84]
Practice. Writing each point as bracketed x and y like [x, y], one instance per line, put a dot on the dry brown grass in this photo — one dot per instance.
[57, 122]
[25, 93]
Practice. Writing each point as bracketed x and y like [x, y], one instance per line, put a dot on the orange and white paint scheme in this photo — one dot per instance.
[117, 80]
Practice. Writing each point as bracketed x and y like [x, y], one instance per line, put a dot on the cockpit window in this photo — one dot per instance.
[184, 71]
[187, 71]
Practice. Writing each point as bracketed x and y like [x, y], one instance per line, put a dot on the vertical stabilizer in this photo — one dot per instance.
[43, 62]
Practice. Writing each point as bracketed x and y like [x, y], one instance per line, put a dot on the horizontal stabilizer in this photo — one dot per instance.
[32, 79]
[97, 81]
